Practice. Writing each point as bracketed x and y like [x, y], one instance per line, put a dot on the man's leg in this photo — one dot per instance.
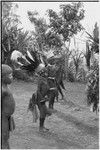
[60, 91]
[5, 134]
[42, 117]
[62, 85]
[52, 96]
[5, 144]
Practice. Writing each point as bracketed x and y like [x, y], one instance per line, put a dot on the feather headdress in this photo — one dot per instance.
[30, 62]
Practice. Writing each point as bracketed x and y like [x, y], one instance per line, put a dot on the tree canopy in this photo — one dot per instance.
[67, 21]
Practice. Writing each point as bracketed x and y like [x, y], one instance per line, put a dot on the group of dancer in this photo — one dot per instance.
[48, 86]
[47, 90]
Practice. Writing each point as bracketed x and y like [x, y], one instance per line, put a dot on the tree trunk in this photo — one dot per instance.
[66, 60]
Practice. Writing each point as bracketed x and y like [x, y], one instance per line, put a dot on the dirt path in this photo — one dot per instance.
[72, 126]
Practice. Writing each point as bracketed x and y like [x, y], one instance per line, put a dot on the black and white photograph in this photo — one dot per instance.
[50, 74]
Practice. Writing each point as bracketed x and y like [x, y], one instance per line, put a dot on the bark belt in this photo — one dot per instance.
[52, 88]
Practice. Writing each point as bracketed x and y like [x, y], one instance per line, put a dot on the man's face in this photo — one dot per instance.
[43, 72]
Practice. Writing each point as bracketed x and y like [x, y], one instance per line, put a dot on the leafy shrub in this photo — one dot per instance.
[92, 88]
[70, 75]
[81, 75]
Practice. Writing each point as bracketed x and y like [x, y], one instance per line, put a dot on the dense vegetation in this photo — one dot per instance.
[53, 37]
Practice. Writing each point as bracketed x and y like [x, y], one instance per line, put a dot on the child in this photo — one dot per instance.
[39, 99]
[8, 107]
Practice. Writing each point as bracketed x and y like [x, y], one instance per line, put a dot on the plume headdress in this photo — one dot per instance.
[30, 62]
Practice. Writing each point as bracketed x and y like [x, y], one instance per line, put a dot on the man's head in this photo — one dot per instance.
[40, 68]
[6, 74]
[43, 72]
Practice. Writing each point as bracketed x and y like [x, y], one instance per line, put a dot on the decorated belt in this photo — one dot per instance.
[52, 88]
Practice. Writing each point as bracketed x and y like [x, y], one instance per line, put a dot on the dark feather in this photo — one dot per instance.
[22, 61]
[30, 60]
[28, 68]
[33, 61]
[35, 56]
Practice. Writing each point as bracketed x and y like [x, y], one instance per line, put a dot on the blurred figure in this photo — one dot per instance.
[8, 107]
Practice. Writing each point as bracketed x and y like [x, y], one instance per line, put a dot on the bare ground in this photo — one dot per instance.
[72, 126]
